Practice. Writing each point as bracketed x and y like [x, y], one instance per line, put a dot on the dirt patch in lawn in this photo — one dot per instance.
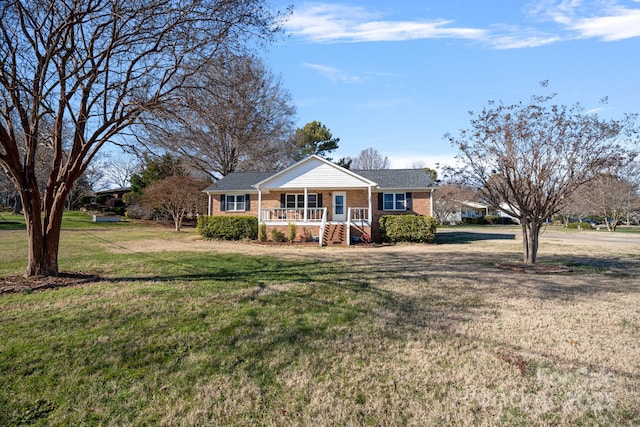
[534, 268]
[21, 284]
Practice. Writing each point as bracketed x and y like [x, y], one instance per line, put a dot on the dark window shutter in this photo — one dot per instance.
[223, 202]
[319, 200]
[380, 201]
[283, 200]
[247, 202]
[409, 201]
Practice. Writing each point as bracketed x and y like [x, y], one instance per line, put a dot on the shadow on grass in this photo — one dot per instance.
[12, 225]
[260, 316]
[462, 237]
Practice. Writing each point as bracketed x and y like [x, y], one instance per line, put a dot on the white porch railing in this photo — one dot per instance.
[359, 214]
[356, 215]
[323, 224]
[292, 215]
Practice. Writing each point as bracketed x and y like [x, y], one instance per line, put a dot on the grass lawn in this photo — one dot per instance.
[183, 332]
[71, 220]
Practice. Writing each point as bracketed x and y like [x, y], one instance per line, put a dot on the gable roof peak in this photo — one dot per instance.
[321, 160]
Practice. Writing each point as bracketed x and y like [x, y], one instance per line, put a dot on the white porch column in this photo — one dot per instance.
[306, 204]
[210, 205]
[259, 205]
[370, 205]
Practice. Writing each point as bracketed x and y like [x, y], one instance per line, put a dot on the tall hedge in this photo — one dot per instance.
[228, 227]
[408, 228]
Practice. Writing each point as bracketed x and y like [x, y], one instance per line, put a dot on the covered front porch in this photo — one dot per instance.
[354, 227]
[317, 195]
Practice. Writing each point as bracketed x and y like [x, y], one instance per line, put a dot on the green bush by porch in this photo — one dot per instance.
[408, 228]
[228, 227]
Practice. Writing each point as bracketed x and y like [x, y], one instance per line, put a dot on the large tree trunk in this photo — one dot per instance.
[44, 237]
[530, 236]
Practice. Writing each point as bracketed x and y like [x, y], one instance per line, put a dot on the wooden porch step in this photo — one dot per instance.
[334, 234]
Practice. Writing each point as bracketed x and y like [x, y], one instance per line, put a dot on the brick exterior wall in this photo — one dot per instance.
[302, 232]
[421, 205]
[253, 206]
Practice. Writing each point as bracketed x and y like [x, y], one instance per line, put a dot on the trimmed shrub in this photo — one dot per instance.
[581, 225]
[291, 232]
[505, 220]
[474, 221]
[277, 236]
[408, 228]
[136, 211]
[491, 219]
[262, 232]
[228, 227]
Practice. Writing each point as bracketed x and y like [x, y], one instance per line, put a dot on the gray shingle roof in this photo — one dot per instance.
[239, 181]
[387, 179]
[405, 179]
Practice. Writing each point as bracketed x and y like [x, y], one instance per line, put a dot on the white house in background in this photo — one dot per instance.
[474, 210]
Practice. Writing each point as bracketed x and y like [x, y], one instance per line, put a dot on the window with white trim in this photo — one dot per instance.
[394, 202]
[297, 201]
[235, 202]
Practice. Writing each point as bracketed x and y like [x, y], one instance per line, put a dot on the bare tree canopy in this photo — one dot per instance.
[177, 196]
[94, 67]
[233, 115]
[118, 170]
[528, 158]
[609, 197]
[370, 159]
[448, 202]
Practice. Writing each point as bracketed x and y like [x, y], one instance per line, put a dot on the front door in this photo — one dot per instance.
[339, 206]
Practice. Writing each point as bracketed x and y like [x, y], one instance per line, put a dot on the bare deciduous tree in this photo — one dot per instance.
[610, 197]
[530, 157]
[233, 115]
[95, 67]
[631, 173]
[370, 159]
[574, 206]
[447, 201]
[177, 196]
[84, 186]
[118, 170]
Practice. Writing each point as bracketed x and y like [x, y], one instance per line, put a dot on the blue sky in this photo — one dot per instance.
[398, 75]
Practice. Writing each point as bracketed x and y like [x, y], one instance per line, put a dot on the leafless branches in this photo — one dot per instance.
[94, 67]
[233, 115]
[529, 157]
[370, 159]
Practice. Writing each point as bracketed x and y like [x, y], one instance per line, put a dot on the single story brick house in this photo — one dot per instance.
[328, 203]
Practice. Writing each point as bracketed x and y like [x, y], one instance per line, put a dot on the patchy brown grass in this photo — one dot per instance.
[479, 345]
[398, 335]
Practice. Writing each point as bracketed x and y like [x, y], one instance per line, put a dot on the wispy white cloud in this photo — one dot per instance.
[333, 74]
[330, 23]
[516, 38]
[333, 22]
[608, 21]
[623, 23]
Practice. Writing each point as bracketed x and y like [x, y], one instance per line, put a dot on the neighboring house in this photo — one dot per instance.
[328, 203]
[466, 210]
[116, 193]
[475, 210]
[499, 211]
